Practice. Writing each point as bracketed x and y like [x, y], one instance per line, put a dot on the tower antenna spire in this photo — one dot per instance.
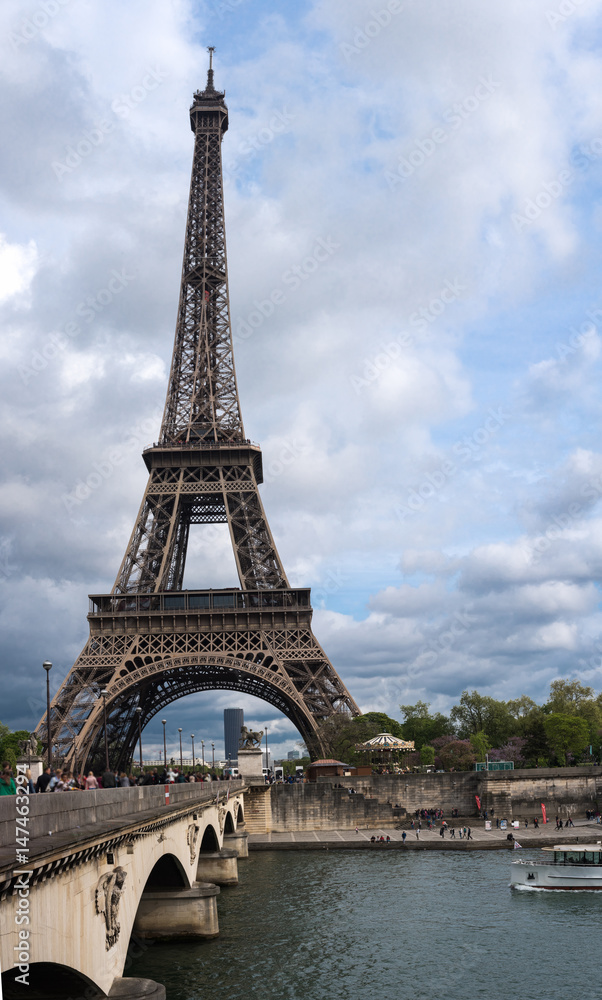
[210, 50]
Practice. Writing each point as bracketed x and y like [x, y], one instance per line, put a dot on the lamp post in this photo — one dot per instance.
[47, 665]
[163, 721]
[192, 738]
[212, 756]
[181, 759]
[104, 709]
[203, 752]
[267, 754]
[139, 713]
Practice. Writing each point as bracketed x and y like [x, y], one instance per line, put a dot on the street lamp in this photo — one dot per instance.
[139, 713]
[181, 760]
[47, 665]
[104, 708]
[164, 746]
[267, 755]
[212, 756]
[203, 752]
[192, 738]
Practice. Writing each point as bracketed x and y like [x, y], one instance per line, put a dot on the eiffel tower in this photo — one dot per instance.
[152, 642]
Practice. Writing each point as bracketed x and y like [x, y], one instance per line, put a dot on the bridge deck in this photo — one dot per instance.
[72, 826]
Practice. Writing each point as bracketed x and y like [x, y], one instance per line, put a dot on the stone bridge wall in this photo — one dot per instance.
[54, 812]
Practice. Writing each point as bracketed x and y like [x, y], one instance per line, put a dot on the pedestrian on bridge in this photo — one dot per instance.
[91, 782]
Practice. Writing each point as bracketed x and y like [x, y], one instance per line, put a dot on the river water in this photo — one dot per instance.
[362, 925]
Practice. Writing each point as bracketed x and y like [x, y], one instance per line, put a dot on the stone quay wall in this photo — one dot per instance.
[388, 800]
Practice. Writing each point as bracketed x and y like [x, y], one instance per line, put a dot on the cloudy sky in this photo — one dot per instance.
[421, 180]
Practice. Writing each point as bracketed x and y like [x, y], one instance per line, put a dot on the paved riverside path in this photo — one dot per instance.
[584, 831]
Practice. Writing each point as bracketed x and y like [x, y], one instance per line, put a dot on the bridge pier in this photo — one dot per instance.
[238, 842]
[166, 914]
[136, 989]
[219, 867]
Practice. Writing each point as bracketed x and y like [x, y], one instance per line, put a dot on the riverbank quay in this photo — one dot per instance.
[429, 840]
[388, 801]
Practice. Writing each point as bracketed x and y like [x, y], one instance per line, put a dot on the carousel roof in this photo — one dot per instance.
[386, 741]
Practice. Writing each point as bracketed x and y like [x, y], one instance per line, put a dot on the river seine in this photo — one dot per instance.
[362, 925]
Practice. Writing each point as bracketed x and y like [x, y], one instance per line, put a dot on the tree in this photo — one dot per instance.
[457, 755]
[422, 727]
[512, 750]
[480, 744]
[480, 713]
[566, 734]
[427, 755]
[520, 707]
[9, 744]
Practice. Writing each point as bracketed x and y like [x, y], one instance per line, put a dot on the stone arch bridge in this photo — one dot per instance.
[83, 872]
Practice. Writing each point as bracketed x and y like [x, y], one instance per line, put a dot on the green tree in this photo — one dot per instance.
[427, 755]
[9, 744]
[520, 707]
[480, 745]
[566, 734]
[422, 727]
[479, 713]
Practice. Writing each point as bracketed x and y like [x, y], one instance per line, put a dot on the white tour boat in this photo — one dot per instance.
[572, 866]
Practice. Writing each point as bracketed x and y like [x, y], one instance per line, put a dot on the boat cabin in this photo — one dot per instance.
[573, 854]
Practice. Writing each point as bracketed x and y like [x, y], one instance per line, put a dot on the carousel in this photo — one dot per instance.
[386, 750]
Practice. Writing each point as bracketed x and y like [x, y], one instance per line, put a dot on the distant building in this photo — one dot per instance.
[234, 720]
[293, 755]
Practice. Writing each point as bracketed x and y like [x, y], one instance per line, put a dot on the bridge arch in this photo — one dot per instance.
[49, 979]
[210, 840]
[229, 824]
[168, 871]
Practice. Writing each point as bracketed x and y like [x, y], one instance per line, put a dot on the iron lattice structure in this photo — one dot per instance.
[150, 641]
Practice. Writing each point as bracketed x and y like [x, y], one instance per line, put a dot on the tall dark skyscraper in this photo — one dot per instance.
[234, 720]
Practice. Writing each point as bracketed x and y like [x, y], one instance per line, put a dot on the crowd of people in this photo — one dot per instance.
[57, 780]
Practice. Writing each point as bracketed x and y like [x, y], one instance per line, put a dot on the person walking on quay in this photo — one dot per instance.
[452, 833]
[403, 837]
[469, 835]
[569, 821]
[418, 832]
[442, 831]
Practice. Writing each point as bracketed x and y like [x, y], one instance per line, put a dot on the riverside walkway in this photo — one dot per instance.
[584, 831]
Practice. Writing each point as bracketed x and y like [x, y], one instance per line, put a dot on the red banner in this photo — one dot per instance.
[478, 802]
[543, 812]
